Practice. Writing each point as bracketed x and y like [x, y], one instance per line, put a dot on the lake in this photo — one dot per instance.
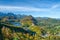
[16, 23]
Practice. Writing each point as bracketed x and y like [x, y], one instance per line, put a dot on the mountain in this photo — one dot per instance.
[11, 17]
[2, 15]
[45, 21]
[29, 20]
[31, 28]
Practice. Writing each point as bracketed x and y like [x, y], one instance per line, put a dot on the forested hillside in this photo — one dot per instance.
[26, 27]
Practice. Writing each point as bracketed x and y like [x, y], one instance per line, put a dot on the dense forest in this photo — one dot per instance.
[26, 27]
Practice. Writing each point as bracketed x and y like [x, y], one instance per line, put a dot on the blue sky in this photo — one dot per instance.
[37, 8]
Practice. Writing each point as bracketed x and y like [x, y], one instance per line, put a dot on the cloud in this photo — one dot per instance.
[27, 9]
[55, 6]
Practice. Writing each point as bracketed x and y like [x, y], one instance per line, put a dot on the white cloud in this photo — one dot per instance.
[27, 9]
[55, 6]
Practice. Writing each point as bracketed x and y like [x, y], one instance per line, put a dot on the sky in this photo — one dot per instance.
[36, 8]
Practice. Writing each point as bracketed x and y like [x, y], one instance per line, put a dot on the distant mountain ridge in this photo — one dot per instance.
[17, 16]
[36, 20]
[21, 16]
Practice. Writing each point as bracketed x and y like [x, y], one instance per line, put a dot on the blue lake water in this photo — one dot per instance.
[16, 23]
